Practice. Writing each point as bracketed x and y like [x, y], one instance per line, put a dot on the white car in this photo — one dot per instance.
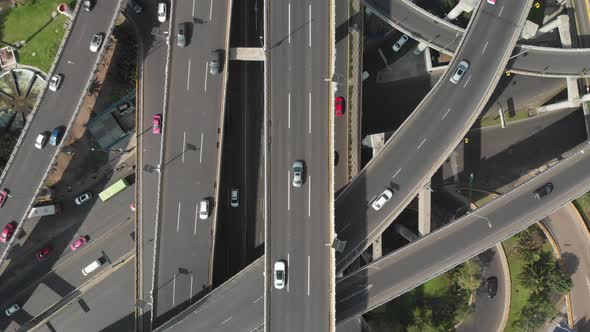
[12, 309]
[460, 71]
[382, 199]
[235, 198]
[297, 173]
[41, 141]
[85, 197]
[400, 43]
[162, 12]
[55, 82]
[204, 209]
[96, 42]
[280, 274]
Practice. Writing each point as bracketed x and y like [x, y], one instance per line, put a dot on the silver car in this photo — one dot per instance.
[460, 71]
[12, 309]
[382, 199]
[204, 209]
[214, 62]
[96, 42]
[85, 197]
[235, 198]
[297, 173]
[55, 82]
[400, 43]
[280, 274]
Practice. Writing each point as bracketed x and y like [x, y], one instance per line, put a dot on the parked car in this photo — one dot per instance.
[492, 286]
[382, 199]
[55, 82]
[12, 309]
[543, 191]
[41, 140]
[214, 58]
[492, 2]
[96, 42]
[181, 35]
[3, 197]
[235, 198]
[157, 124]
[162, 12]
[8, 231]
[79, 243]
[204, 209]
[460, 71]
[339, 106]
[400, 43]
[55, 136]
[88, 5]
[135, 6]
[298, 169]
[85, 197]
[43, 253]
[280, 274]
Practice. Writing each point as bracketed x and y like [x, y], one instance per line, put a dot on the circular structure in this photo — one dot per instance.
[62, 8]
[19, 89]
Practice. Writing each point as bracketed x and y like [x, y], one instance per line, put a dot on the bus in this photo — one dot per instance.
[114, 189]
[44, 210]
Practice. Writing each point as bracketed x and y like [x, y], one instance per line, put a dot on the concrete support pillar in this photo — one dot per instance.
[573, 90]
[530, 30]
[424, 208]
[463, 6]
[246, 53]
[564, 31]
[586, 109]
[375, 141]
[377, 248]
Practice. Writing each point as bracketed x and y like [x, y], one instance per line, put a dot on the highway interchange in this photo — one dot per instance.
[174, 274]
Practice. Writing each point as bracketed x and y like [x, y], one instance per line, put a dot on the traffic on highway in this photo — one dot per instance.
[287, 165]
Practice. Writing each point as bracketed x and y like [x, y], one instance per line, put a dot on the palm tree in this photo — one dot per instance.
[533, 275]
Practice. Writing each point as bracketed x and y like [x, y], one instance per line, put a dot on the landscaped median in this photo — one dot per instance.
[36, 29]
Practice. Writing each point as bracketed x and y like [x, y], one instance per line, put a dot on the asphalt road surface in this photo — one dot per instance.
[56, 109]
[428, 136]
[190, 156]
[299, 117]
[420, 25]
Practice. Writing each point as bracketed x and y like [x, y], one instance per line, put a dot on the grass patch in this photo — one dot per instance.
[32, 22]
[494, 120]
[519, 294]
[584, 203]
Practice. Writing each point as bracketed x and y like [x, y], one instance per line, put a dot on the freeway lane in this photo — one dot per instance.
[190, 155]
[56, 109]
[428, 136]
[299, 115]
[451, 245]
[444, 36]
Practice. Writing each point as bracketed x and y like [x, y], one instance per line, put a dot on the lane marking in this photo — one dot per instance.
[211, 10]
[289, 190]
[310, 112]
[419, 146]
[174, 289]
[468, 79]
[178, 218]
[484, 47]
[308, 282]
[289, 28]
[194, 7]
[196, 217]
[501, 10]
[183, 146]
[188, 77]
[447, 112]
[289, 110]
[227, 320]
[191, 290]
[309, 25]
[288, 267]
[309, 196]
[201, 150]
[258, 299]
[206, 65]
[396, 173]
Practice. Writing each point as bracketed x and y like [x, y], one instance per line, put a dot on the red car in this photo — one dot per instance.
[79, 243]
[157, 124]
[339, 106]
[8, 231]
[43, 253]
[3, 196]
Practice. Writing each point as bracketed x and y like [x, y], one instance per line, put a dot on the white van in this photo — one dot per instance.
[91, 267]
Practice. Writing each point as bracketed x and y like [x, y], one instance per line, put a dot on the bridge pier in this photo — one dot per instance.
[424, 210]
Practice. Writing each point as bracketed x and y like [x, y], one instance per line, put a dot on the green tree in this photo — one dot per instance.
[528, 249]
[532, 275]
[545, 275]
[556, 279]
[469, 275]
[422, 321]
[535, 313]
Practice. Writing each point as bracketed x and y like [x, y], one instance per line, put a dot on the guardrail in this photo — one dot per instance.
[69, 127]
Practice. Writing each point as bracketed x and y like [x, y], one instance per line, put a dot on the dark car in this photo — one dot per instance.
[55, 136]
[181, 35]
[492, 286]
[43, 253]
[543, 191]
